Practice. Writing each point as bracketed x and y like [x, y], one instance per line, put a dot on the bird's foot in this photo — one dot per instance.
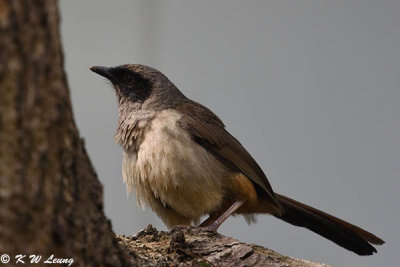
[178, 227]
[213, 227]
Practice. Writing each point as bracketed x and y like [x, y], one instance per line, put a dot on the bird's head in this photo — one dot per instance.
[136, 83]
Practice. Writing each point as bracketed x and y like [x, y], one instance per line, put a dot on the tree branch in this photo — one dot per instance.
[200, 247]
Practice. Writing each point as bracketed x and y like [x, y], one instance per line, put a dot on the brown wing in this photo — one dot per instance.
[209, 131]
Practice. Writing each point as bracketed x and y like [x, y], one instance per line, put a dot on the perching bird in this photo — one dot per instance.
[183, 163]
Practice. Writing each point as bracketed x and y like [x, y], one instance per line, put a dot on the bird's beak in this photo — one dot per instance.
[103, 71]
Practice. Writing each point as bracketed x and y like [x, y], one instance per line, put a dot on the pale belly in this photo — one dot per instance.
[173, 175]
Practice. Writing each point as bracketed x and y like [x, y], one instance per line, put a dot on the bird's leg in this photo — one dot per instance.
[215, 223]
[215, 215]
[208, 221]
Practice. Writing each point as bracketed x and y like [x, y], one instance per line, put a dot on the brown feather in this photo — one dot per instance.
[209, 131]
[338, 231]
[364, 234]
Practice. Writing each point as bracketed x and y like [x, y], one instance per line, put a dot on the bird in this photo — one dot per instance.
[180, 161]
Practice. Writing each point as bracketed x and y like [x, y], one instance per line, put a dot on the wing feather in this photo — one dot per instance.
[209, 131]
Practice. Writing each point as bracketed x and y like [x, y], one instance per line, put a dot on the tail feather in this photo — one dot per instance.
[340, 232]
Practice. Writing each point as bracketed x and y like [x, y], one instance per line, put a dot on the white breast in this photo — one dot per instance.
[171, 168]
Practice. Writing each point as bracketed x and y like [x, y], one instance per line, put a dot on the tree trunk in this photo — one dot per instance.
[51, 201]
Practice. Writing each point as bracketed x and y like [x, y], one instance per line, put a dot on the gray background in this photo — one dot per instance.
[310, 88]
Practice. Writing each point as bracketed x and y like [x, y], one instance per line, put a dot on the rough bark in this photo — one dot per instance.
[51, 201]
[201, 247]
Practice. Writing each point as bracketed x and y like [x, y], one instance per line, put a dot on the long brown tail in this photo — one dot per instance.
[340, 232]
